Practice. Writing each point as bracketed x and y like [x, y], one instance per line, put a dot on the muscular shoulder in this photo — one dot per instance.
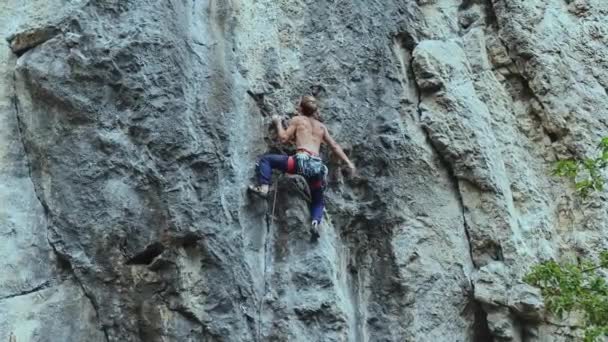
[321, 126]
[296, 120]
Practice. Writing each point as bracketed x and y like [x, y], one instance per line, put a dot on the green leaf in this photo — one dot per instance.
[589, 163]
[597, 184]
[566, 168]
[583, 187]
[603, 143]
[604, 259]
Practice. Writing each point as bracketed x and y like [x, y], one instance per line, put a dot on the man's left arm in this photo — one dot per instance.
[285, 134]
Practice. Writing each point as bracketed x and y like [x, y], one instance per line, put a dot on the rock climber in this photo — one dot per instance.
[309, 133]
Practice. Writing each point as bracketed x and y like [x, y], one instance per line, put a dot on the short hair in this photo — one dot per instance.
[309, 106]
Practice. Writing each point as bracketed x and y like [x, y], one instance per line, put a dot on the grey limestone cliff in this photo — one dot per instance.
[129, 131]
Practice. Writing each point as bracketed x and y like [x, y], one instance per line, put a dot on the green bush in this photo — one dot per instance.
[579, 287]
[586, 173]
[575, 287]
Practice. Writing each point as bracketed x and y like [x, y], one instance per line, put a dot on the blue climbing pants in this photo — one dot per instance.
[305, 164]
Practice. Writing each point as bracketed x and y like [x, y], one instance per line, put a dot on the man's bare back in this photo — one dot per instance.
[309, 133]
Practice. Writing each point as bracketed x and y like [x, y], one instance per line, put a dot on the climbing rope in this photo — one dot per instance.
[261, 307]
[274, 202]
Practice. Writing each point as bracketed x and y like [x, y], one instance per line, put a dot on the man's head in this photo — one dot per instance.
[308, 106]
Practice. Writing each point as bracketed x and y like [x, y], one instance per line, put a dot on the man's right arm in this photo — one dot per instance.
[284, 134]
[333, 145]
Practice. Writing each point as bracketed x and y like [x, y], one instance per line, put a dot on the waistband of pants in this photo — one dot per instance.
[307, 151]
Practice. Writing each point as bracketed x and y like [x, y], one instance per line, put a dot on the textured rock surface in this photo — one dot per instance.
[130, 129]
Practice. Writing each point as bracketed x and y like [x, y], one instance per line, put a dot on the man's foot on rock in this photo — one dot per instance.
[314, 231]
[259, 190]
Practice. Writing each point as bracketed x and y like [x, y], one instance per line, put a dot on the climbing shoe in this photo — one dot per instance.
[314, 230]
[258, 191]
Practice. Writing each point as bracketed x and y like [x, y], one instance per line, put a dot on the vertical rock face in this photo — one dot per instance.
[131, 128]
[40, 299]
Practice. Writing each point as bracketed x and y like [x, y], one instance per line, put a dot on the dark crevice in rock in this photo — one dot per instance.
[63, 264]
[258, 98]
[481, 330]
[407, 41]
[15, 101]
[318, 90]
[465, 5]
[148, 255]
[63, 260]
[40, 287]
[188, 240]
[490, 14]
[190, 316]
[553, 137]
[470, 11]
[455, 182]
[22, 42]
[498, 254]
[524, 330]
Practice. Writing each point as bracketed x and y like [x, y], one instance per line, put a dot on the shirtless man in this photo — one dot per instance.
[309, 133]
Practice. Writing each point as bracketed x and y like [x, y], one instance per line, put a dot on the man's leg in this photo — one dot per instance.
[317, 202]
[266, 164]
[271, 162]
